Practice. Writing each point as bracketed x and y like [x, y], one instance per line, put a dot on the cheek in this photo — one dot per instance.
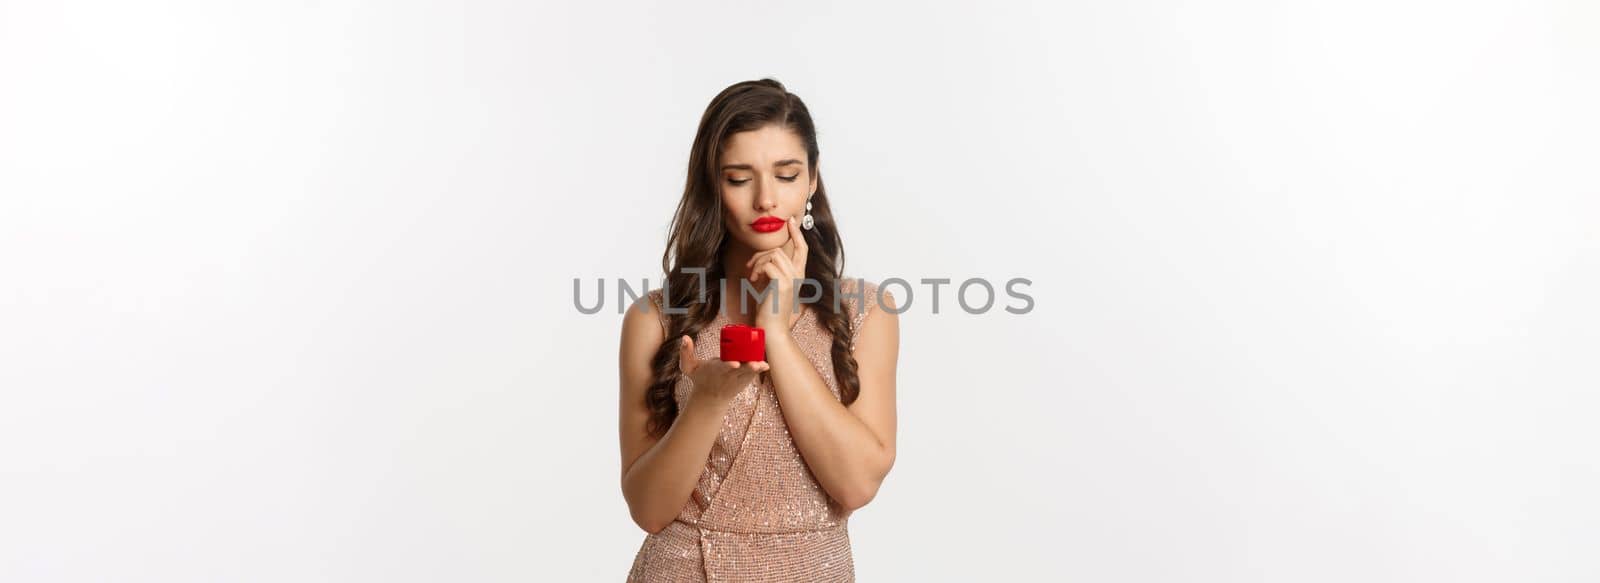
[731, 220]
[733, 198]
[795, 194]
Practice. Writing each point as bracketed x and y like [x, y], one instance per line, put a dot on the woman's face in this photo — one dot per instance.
[763, 173]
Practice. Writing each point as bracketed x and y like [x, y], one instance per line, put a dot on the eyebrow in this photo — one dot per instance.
[749, 167]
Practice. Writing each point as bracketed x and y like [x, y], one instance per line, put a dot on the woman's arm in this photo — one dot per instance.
[849, 449]
[659, 474]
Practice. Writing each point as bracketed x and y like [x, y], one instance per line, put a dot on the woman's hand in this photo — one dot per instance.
[783, 267]
[717, 380]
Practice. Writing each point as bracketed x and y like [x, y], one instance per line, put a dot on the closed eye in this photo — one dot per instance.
[738, 182]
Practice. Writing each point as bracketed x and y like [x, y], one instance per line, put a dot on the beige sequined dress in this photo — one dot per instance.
[758, 514]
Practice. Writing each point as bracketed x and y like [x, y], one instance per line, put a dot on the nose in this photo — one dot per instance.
[766, 195]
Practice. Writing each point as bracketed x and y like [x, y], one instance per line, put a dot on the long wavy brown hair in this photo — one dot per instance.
[698, 238]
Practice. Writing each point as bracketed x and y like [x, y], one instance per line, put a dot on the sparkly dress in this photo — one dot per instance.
[757, 513]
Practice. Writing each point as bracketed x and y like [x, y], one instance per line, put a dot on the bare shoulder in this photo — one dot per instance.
[642, 330]
[874, 311]
[871, 294]
[881, 305]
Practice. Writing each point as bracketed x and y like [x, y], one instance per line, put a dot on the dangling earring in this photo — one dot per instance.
[806, 221]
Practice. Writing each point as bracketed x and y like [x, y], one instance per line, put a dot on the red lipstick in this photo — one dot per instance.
[768, 224]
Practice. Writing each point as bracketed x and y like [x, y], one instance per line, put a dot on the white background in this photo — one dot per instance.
[286, 289]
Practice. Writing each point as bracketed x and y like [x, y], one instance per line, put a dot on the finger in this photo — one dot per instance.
[759, 270]
[788, 247]
[797, 236]
[760, 366]
[787, 273]
[760, 258]
[757, 279]
[787, 276]
[733, 364]
[757, 256]
[686, 360]
[785, 263]
[771, 270]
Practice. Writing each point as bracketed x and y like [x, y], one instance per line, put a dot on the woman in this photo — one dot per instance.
[748, 471]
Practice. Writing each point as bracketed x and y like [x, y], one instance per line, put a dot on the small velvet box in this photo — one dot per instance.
[743, 343]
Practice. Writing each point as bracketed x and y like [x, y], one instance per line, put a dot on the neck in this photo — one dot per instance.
[735, 275]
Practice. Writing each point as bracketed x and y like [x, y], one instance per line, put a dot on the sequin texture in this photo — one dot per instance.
[758, 513]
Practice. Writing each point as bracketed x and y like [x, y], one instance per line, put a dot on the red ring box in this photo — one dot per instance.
[743, 343]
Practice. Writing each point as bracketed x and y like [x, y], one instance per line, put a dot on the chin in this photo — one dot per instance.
[761, 241]
[765, 242]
